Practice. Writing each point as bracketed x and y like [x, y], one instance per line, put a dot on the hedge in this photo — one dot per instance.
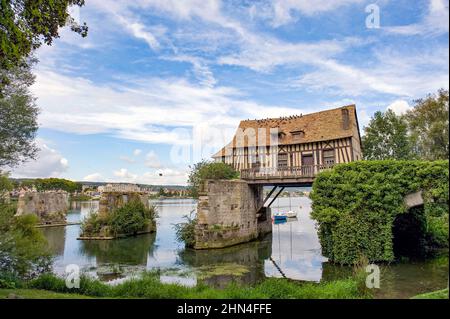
[356, 204]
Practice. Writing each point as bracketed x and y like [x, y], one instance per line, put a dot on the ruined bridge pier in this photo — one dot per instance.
[230, 212]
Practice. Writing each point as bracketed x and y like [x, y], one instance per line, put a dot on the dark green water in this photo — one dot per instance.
[293, 246]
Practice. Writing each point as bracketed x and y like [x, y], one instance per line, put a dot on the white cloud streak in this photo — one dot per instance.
[49, 163]
[435, 22]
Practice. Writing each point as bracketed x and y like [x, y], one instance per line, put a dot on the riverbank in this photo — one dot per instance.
[440, 294]
[274, 289]
[150, 286]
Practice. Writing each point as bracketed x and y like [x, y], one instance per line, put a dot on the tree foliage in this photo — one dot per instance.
[386, 137]
[44, 184]
[422, 133]
[128, 219]
[18, 118]
[185, 232]
[205, 170]
[24, 252]
[131, 218]
[429, 126]
[26, 24]
[356, 205]
[5, 183]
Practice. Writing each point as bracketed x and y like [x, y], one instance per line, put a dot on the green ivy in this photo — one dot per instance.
[356, 204]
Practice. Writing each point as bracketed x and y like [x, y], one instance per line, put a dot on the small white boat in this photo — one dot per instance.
[291, 214]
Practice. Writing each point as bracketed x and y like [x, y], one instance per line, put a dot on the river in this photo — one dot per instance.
[293, 246]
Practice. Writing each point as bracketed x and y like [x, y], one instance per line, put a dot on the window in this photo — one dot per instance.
[298, 135]
[282, 160]
[328, 157]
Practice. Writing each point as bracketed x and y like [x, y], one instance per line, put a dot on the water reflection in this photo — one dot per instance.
[293, 248]
[243, 264]
[119, 258]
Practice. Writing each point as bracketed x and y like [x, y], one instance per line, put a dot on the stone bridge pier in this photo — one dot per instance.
[230, 212]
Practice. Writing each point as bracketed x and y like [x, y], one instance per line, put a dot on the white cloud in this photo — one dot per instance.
[399, 107]
[127, 159]
[283, 9]
[435, 22]
[405, 74]
[134, 110]
[49, 163]
[94, 177]
[200, 68]
[124, 175]
[137, 152]
[166, 176]
[152, 160]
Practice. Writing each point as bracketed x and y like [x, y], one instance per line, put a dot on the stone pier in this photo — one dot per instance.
[49, 207]
[227, 214]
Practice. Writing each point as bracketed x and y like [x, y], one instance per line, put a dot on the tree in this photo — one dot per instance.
[209, 170]
[386, 137]
[428, 123]
[26, 24]
[24, 252]
[18, 118]
[44, 184]
[5, 183]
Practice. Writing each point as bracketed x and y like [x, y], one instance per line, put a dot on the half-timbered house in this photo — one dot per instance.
[301, 144]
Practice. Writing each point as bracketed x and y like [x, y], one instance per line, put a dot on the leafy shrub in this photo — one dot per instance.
[186, 231]
[130, 218]
[205, 170]
[92, 225]
[24, 252]
[356, 204]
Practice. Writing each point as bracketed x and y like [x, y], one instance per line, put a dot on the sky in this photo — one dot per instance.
[159, 85]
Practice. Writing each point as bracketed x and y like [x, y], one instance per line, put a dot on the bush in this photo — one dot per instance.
[356, 204]
[205, 170]
[130, 218]
[24, 252]
[92, 225]
[185, 232]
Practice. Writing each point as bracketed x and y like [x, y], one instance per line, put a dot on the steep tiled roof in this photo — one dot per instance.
[314, 127]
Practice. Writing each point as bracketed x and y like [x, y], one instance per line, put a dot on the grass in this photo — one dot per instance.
[439, 294]
[149, 286]
[38, 294]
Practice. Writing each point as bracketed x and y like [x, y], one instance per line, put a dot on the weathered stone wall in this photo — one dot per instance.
[50, 207]
[227, 214]
[112, 200]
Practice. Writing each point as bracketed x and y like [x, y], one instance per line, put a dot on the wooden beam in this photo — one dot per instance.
[276, 196]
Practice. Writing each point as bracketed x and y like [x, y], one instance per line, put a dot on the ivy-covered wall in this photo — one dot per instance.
[356, 205]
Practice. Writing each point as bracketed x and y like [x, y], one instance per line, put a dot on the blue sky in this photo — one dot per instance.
[160, 84]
